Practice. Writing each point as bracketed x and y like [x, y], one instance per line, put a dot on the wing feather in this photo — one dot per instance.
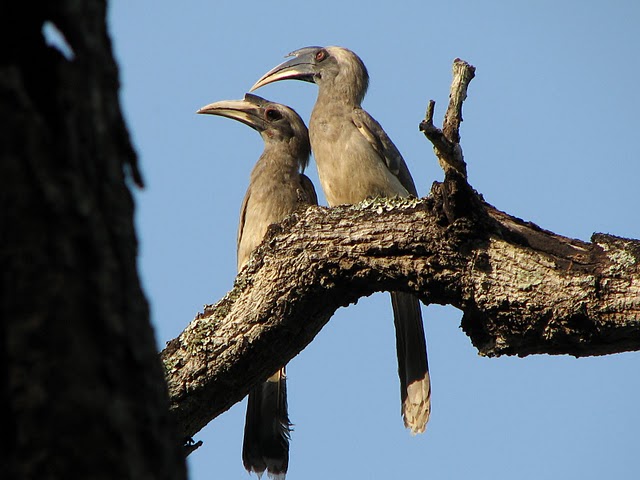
[308, 190]
[382, 144]
[241, 223]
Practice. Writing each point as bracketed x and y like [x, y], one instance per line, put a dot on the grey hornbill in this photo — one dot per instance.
[276, 189]
[357, 160]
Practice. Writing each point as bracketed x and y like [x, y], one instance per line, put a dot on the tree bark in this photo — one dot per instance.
[522, 289]
[83, 394]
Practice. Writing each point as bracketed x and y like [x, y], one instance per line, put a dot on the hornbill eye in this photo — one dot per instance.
[321, 55]
[273, 114]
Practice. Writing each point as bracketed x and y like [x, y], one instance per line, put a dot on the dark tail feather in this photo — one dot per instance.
[267, 428]
[413, 368]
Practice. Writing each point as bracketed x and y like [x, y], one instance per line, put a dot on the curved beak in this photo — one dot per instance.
[247, 111]
[298, 68]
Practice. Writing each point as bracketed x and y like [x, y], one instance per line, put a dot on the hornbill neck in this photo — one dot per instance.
[289, 155]
[346, 88]
[339, 95]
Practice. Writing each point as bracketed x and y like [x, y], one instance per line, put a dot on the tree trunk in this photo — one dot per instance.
[83, 394]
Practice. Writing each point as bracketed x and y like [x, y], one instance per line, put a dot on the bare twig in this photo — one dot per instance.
[446, 142]
[463, 73]
[190, 446]
[441, 144]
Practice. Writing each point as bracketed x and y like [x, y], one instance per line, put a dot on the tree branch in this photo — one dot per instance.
[522, 289]
[446, 142]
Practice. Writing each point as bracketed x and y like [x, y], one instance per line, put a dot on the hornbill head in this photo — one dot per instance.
[336, 70]
[274, 121]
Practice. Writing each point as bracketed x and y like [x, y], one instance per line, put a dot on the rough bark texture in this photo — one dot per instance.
[522, 290]
[82, 389]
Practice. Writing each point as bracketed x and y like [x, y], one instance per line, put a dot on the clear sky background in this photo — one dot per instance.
[550, 135]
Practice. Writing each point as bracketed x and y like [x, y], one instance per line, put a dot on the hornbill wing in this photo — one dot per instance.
[241, 223]
[382, 144]
[309, 194]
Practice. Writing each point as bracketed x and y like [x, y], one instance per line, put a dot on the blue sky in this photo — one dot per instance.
[550, 135]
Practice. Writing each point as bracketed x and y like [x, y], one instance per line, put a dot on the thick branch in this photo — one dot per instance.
[523, 290]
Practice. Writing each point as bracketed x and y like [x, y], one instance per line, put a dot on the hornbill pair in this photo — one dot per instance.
[356, 160]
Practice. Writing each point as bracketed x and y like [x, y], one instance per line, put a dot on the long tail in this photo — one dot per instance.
[267, 428]
[413, 367]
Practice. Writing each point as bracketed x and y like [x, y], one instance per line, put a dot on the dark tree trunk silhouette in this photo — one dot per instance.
[83, 393]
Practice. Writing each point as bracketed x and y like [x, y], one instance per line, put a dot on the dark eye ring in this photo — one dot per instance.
[273, 114]
[321, 55]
